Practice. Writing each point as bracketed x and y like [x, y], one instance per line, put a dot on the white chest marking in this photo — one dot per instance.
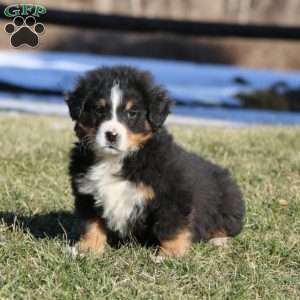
[121, 200]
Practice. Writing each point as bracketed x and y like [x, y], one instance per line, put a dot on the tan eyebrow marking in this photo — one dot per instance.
[101, 103]
[147, 125]
[129, 104]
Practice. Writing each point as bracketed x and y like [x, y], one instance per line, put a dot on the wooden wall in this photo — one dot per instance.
[266, 11]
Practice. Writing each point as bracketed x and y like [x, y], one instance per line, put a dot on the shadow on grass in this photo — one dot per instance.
[60, 224]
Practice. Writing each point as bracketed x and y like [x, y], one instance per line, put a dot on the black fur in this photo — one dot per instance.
[190, 192]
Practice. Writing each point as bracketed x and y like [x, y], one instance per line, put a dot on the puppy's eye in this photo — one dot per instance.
[132, 114]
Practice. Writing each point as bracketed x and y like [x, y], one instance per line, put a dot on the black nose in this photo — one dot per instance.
[111, 136]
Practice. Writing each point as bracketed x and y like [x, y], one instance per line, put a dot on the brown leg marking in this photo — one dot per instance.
[178, 246]
[147, 191]
[93, 237]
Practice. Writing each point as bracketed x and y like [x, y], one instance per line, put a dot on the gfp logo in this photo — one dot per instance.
[24, 29]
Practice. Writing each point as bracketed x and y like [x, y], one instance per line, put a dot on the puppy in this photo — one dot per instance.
[131, 180]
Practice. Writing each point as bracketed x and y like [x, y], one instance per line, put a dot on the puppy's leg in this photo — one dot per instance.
[176, 246]
[92, 237]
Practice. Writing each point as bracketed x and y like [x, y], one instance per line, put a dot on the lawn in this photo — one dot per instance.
[36, 222]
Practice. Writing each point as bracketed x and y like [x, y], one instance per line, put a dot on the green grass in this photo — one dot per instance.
[35, 221]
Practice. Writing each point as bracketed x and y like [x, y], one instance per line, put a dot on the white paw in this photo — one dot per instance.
[72, 251]
[157, 259]
[220, 242]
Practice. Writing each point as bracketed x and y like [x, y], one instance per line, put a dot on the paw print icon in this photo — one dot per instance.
[24, 31]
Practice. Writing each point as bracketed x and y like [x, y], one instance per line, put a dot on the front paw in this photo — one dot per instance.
[82, 248]
[220, 241]
[178, 246]
[157, 258]
[92, 238]
[90, 247]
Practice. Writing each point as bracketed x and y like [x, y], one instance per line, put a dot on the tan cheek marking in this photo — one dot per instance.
[178, 246]
[147, 191]
[93, 237]
[129, 105]
[138, 139]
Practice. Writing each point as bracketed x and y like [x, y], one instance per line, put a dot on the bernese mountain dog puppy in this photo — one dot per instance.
[131, 180]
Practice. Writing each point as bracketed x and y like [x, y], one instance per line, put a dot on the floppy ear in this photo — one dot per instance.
[159, 107]
[76, 99]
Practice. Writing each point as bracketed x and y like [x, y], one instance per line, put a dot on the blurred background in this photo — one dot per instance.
[212, 80]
